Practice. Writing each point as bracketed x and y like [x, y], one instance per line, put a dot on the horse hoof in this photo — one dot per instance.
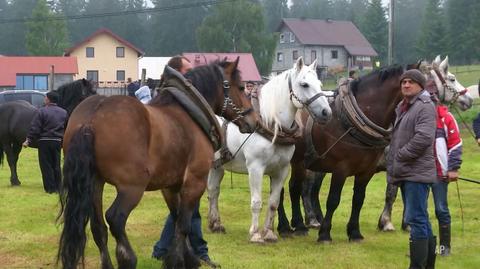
[15, 183]
[324, 241]
[217, 228]
[286, 234]
[356, 240]
[257, 239]
[313, 224]
[301, 232]
[388, 227]
[270, 237]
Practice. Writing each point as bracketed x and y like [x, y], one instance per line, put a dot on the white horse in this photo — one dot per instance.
[256, 155]
[449, 89]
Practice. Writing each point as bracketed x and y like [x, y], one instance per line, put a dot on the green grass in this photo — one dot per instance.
[29, 234]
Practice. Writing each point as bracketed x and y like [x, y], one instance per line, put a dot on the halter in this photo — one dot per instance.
[228, 101]
[305, 104]
[455, 93]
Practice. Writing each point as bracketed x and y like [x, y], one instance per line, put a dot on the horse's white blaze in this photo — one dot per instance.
[257, 155]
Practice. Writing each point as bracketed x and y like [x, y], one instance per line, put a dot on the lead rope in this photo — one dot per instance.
[461, 207]
[464, 122]
[338, 140]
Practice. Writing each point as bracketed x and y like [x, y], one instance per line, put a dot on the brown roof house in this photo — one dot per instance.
[334, 43]
[106, 58]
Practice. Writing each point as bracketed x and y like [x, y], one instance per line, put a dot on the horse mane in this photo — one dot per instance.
[382, 74]
[272, 91]
[205, 78]
[71, 94]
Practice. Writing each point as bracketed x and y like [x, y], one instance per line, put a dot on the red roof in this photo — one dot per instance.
[108, 32]
[11, 66]
[246, 65]
[330, 33]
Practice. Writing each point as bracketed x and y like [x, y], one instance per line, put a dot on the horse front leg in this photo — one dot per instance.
[336, 186]
[255, 176]
[359, 187]
[385, 221]
[12, 151]
[277, 181]
[214, 181]
[311, 204]
[295, 188]
[127, 199]
[283, 226]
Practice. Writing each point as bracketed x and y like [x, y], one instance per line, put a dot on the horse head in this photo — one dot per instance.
[306, 91]
[71, 94]
[443, 83]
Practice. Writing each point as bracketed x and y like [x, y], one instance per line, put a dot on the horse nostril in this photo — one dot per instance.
[325, 112]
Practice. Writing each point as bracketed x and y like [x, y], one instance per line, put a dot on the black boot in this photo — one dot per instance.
[418, 253]
[444, 248]
[432, 248]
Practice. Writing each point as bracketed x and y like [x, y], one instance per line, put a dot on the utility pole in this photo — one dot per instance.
[391, 16]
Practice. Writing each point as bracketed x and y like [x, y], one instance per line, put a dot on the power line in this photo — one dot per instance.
[118, 13]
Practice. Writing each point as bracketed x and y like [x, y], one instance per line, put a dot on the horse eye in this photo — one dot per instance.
[304, 84]
[242, 88]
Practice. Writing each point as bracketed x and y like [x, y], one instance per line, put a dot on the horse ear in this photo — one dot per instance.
[299, 64]
[313, 66]
[236, 63]
[444, 65]
[437, 61]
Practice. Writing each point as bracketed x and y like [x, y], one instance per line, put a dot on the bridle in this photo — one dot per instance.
[305, 104]
[227, 101]
[446, 87]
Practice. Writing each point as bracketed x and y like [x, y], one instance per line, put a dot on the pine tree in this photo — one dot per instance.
[375, 28]
[432, 38]
[274, 10]
[46, 34]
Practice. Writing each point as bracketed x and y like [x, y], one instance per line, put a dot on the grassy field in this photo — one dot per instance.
[29, 234]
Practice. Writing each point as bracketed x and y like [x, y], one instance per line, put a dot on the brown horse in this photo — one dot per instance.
[344, 149]
[138, 148]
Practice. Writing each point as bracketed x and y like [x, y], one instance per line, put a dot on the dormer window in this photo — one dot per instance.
[120, 52]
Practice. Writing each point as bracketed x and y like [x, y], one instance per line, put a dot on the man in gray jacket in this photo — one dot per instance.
[411, 164]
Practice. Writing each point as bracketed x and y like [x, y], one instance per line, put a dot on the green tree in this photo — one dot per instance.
[357, 10]
[173, 31]
[472, 36]
[238, 27]
[375, 28]
[432, 38]
[14, 32]
[458, 20]
[275, 11]
[77, 28]
[408, 20]
[45, 35]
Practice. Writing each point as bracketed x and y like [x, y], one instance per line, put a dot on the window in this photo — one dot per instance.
[92, 75]
[279, 57]
[313, 55]
[295, 55]
[90, 52]
[120, 75]
[282, 38]
[292, 38]
[334, 54]
[32, 82]
[120, 52]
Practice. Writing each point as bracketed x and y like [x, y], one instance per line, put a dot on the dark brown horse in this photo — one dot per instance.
[16, 116]
[137, 148]
[344, 149]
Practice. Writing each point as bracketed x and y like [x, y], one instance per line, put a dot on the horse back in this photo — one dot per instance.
[15, 117]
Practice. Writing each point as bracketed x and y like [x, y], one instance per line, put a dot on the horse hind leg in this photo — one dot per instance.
[333, 201]
[255, 179]
[295, 187]
[311, 204]
[353, 226]
[283, 226]
[385, 221]
[126, 200]
[12, 151]
[214, 181]
[98, 227]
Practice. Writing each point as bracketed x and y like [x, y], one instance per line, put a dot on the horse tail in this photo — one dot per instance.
[76, 197]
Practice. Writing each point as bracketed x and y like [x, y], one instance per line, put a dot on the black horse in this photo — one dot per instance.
[16, 116]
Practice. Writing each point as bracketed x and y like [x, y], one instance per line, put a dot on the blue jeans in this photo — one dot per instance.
[440, 190]
[195, 236]
[415, 200]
